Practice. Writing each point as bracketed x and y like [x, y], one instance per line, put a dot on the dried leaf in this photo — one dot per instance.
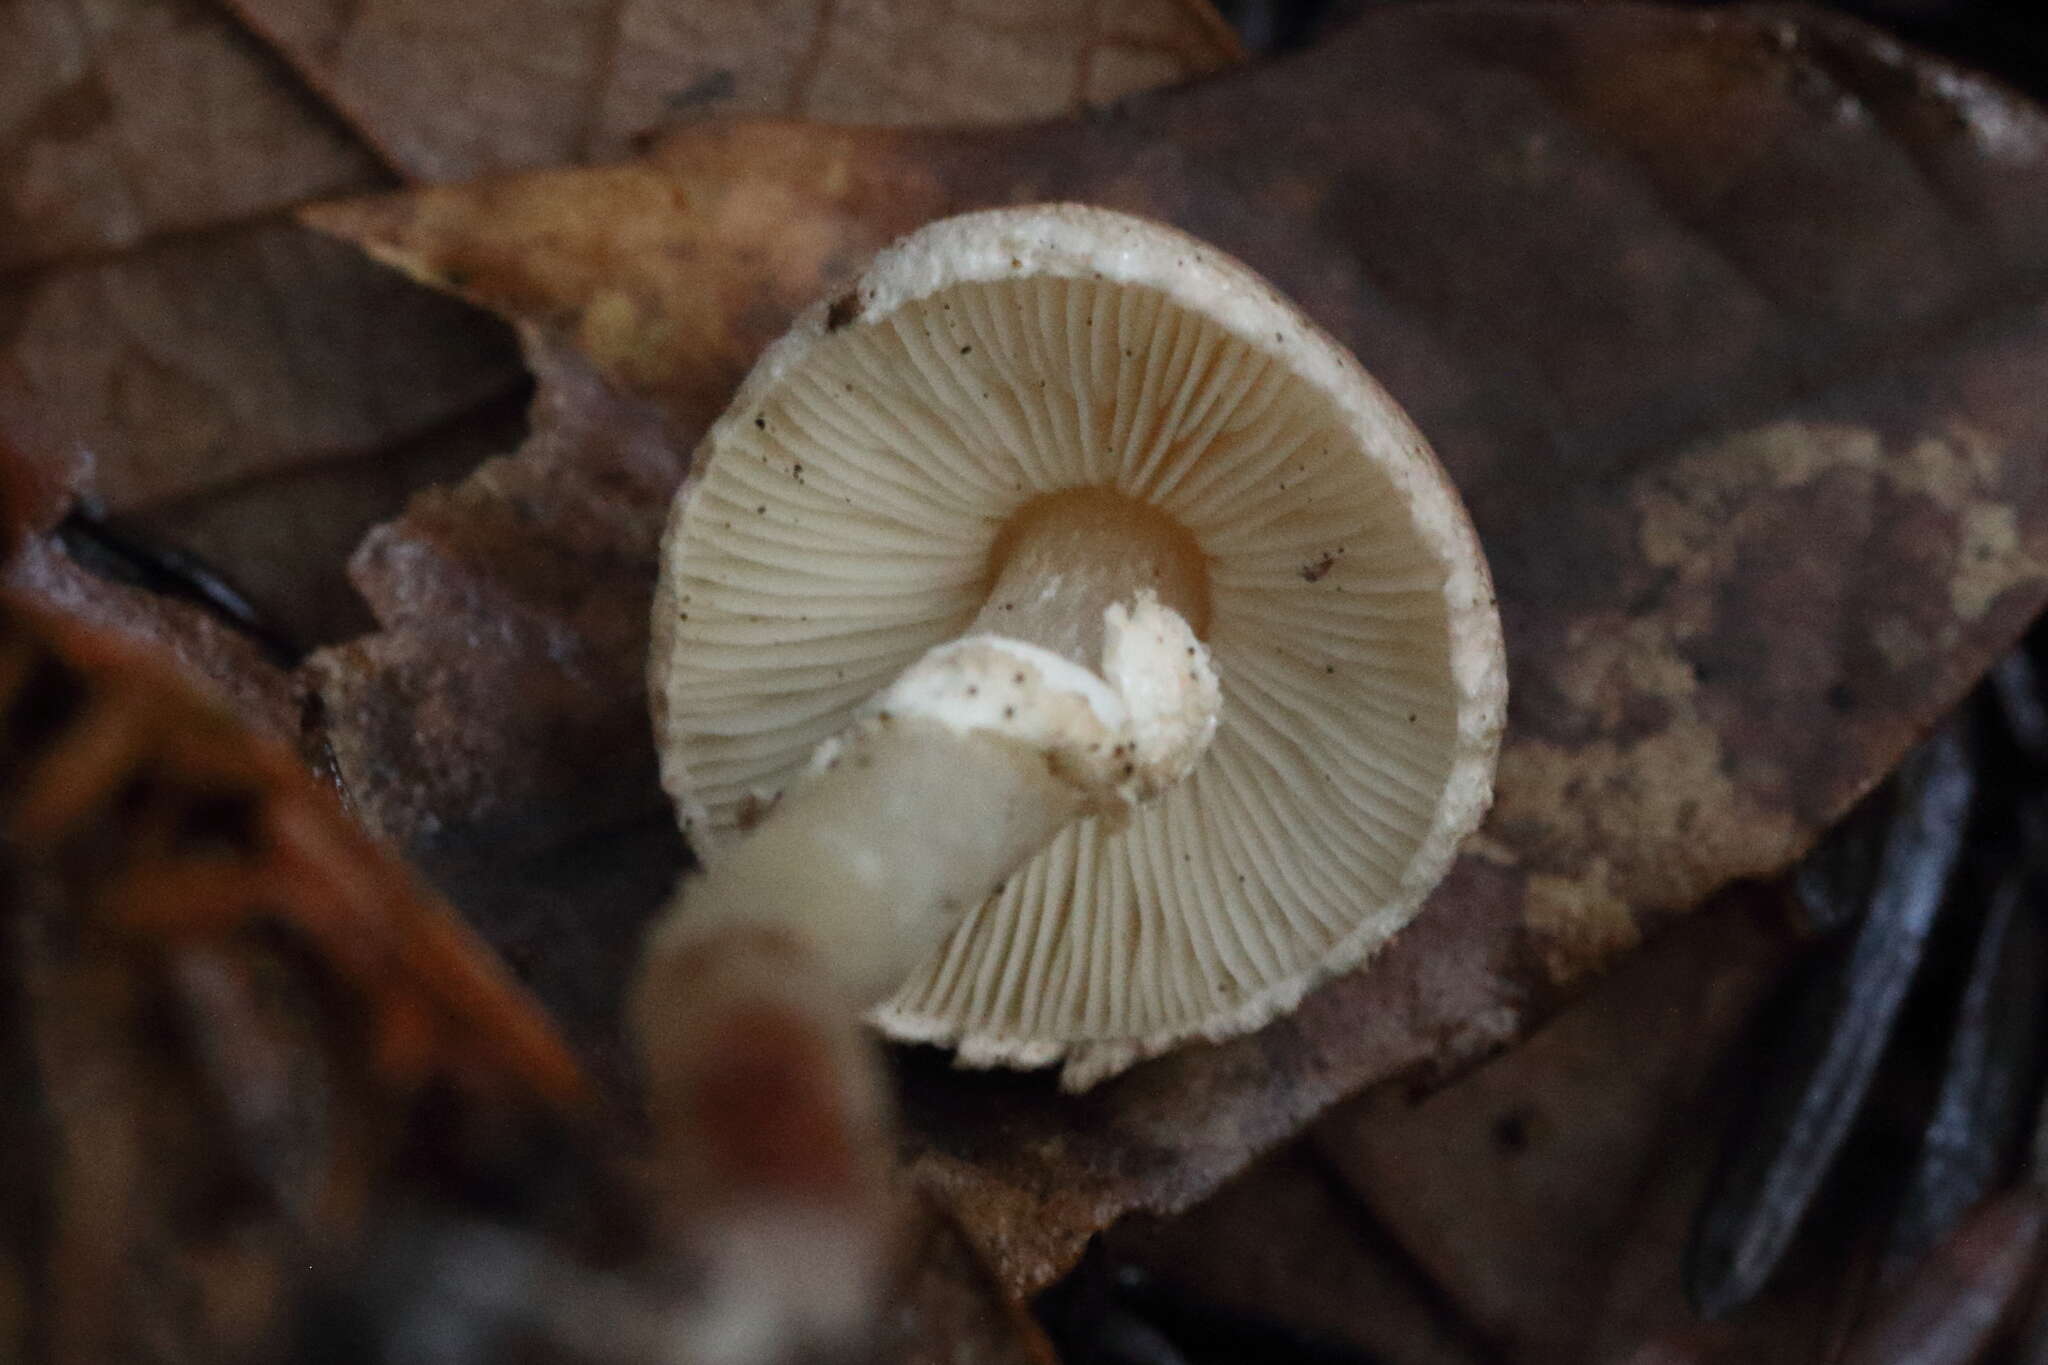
[129, 119]
[200, 361]
[213, 366]
[450, 92]
[285, 533]
[1721, 322]
[1550, 1191]
[153, 309]
[951, 1312]
[432, 748]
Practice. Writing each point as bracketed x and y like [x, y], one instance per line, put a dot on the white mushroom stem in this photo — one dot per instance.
[1080, 689]
[773, 1144]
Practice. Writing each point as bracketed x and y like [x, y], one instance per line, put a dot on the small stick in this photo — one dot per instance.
[1989, 1078]
[1776, 1160]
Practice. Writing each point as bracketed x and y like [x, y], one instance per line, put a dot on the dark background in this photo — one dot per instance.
[2008, 37]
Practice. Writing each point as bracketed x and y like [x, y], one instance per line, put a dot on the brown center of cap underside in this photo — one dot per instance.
[1062, 558]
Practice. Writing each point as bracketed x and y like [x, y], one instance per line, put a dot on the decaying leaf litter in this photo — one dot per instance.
[1548, 1196]
[1795, 337]
[1709, 667]
[163, 311]
[267, 426]
[1536, 1210]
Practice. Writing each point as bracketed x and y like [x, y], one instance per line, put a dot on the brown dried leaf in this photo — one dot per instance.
[241, 369]
[154, 308]
[1550, 1192]
[1728, 326]
[435, 752]
[254, 395]
[453, 91]
[285, 533]
[199, 361]
[124, 120]
[237, 345]
[950, 1312]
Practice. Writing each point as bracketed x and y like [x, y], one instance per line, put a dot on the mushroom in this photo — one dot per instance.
[1098, 657]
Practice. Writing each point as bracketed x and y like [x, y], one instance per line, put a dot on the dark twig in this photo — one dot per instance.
[103, 547]
[1989, 1081]
[1822, 1072]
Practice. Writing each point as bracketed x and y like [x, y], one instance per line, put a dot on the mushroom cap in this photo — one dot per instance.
[840, 523]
